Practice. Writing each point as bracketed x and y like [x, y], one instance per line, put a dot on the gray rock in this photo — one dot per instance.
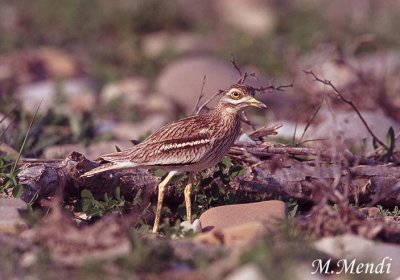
[58, 63]
[155, 44]
[134, 94]
[351, 246]
[254, 17]
[69, 96]
[245, 139]
[303, 271]
[182, 80]
[288, 129]
[349, 126]
[132, 131]
[324, 63]
[247, 271]
[343, 246]
[131, 90]
[10, 220]
[195, 226]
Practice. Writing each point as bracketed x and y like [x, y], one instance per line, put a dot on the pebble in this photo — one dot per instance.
[182, 80]
[195, 226]
[10, 220]
[247, 271]
[351, 247]
[68, 96]
[254, 17]
[351, 130]
[226, 216]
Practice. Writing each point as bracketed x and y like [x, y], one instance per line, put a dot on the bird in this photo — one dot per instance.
[191, 144]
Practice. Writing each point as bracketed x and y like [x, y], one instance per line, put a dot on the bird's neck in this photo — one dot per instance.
[225, 113]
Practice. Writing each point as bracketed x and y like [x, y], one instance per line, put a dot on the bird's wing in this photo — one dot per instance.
[179, 143]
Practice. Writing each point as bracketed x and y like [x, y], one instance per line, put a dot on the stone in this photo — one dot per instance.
[350, 246]
[182, 80]
[304, 270]
[245, 139]
[371, 211]
[134, 94]
[255, 17]
[244, 234]
[239, 236]
[131, 90]
[10, 220]
[343, 246]
[58, 63]
[350, 128]
[68, 96]
[195, 226]
[247, 271]
[326, 63]
[9, 18]
[288, 129]
[132, 131]
[222, 217]
[157, 43]
[214, 237]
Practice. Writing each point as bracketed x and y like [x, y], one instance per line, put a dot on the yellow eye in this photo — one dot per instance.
[236, 94]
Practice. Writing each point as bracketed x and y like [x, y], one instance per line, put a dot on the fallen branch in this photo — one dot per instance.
[274, 173]
[43, 179]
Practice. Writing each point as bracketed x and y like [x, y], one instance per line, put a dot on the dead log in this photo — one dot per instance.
[274, 172]
[42, 179]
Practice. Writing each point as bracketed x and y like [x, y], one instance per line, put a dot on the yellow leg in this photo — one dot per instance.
[161, 190]
[188, 202]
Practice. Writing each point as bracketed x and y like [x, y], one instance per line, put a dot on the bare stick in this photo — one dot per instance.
[246, 120]
[208, 101]
[243, 76]
[275, 88]
[265, 131]
[200, 96]
[349, 102]
[232, 60]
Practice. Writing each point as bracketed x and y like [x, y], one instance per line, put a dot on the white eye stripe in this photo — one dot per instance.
[237, 101]
[172, 146]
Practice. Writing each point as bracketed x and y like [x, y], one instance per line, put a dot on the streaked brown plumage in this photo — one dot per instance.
[190, 144]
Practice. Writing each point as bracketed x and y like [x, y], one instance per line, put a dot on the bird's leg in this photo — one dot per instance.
[161, 190]
[188, 202]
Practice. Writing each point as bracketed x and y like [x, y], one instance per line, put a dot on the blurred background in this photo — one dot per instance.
[105, 72]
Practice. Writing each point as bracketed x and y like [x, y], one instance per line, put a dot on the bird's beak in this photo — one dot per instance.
[254, 102]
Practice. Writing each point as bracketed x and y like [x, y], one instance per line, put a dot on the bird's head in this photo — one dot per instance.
[239, 97]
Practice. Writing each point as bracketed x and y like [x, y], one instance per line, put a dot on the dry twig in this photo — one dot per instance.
[208, 101]
[200, 96]
[349, 102]
[274, 88]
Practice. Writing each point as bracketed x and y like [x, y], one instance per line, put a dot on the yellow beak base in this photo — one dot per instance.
[254, 102]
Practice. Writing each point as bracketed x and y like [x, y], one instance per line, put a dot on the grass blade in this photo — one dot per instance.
[25, 139]
[311, 119]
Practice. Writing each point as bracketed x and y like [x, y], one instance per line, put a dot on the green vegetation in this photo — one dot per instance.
[393, 213]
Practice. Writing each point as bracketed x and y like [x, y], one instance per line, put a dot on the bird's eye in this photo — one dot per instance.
[236, 94]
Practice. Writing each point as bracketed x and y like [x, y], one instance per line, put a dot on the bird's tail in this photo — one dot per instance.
[123, 156]
[110, 166]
